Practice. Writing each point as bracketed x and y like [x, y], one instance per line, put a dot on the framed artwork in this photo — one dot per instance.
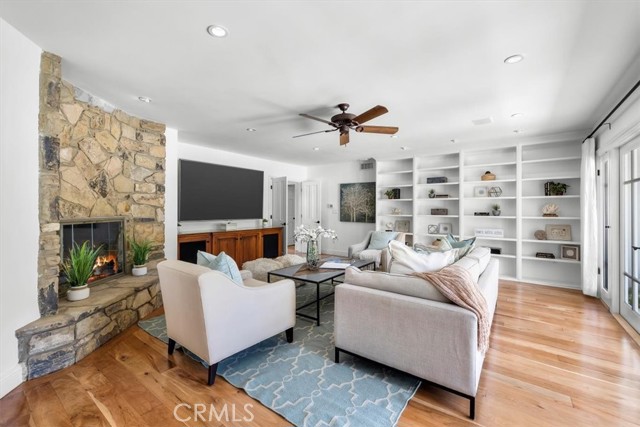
[402, 225]
[445, 228]
[558, 231]
[432, 229]
[480, 191]
[358, 202]
[570, 252]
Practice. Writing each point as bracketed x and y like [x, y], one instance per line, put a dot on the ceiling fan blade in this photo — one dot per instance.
[376, 111]
[312, 133]
[318, 119]
[388, 130]
[344, 138]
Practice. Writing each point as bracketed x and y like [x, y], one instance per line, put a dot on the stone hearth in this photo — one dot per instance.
[55, 342]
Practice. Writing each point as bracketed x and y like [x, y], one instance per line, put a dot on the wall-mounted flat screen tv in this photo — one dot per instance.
[215, 192]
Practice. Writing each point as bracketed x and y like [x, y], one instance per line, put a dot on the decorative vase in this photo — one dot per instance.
[313, 255]
[139, 270]
[78, 293]
[496, 212]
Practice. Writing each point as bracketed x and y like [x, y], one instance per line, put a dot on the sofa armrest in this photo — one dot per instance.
[432, 340]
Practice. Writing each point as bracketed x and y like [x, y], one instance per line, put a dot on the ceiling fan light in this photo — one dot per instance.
[513, 59]
[217, 31]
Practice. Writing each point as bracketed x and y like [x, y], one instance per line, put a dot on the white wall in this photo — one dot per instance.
[19, 226]
[330, 177]
[199, 153]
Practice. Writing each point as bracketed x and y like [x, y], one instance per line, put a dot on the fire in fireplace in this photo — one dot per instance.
[105, 233]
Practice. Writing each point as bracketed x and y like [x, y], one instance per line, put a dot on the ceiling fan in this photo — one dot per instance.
[344, 122]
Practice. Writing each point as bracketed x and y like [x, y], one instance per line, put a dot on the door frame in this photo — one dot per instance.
[283, 203]
[610, 297]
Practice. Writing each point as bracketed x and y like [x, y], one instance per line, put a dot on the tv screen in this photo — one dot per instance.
[213, 192]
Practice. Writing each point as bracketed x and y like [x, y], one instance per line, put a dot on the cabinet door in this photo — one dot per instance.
[249, 247]
[227, 243]
[190, 244]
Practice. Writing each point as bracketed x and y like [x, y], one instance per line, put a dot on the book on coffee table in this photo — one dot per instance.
[335, 265]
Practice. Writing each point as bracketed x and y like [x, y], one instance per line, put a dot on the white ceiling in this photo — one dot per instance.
[435, 65]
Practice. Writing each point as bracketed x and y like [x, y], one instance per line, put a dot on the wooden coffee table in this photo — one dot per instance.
[300, 273]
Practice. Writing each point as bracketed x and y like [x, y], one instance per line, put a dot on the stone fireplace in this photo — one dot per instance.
[101, 179]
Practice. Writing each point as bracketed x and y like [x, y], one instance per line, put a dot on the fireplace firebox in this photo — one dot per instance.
[108, 234]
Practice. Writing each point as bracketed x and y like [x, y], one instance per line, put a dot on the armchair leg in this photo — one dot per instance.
[212, 373]
[472, 408]
[172, 346]
[289, 333]
[337, 355]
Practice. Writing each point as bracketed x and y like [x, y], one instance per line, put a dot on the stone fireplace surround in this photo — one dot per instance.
[95, 162]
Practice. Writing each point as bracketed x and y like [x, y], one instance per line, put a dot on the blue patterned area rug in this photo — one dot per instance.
[301, 382]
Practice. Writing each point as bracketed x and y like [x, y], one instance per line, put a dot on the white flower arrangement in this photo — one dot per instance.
[303, 234]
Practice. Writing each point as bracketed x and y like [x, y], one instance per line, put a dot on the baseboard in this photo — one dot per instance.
[335, 253]
[10, 379]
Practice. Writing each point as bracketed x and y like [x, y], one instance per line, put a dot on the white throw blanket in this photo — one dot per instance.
[456, 283]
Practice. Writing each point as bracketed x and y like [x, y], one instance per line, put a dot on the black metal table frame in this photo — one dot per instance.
[317, 283]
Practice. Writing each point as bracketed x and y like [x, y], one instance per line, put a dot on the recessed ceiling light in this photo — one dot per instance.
[518, 131]
[513, 59]
[404, 148]
[144, 99]
[251, 130]
[217, 31]
[516, 115]
[316, 148]
[454, 140]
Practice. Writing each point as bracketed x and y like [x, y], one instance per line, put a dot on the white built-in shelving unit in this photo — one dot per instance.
[521, 172]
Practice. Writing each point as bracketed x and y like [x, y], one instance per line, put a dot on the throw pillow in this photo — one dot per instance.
[465, 246]
[420, 262]
[222, 263]
[380, 239]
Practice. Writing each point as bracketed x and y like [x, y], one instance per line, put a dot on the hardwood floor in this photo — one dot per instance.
[557, 358]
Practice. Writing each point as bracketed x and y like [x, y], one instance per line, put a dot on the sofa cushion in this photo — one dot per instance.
[471, 265]
[380, 239]
[222, 263]
[371, 255]
[483, 255]
[419, 262]
[397, 283]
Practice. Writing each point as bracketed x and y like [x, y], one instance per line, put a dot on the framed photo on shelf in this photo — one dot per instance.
[402, 225]
[432, 229]
[480, 191]
[445, 228]
[570, 252]
[558, 231]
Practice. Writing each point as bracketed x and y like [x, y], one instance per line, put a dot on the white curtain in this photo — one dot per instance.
[588, 207]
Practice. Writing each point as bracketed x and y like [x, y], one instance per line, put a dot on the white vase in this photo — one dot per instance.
[139, 270]
[77, 293]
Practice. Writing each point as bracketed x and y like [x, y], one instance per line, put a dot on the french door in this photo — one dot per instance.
[630, 250]
[606, 221]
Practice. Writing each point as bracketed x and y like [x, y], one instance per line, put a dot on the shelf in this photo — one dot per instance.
[557, 159]
[551, 242]
[508, 256]
[500, 239]
[447, 216]
[438, 183]
[492, 181]
[567, 218]
[564, 261]
[488, 165]
[555, 178]
[491, 216]
[401, 215]
[395, 200]
[491, 198]
[441, 168]
[568, 196]
[395, 172]
[425, 199]
[438, 234]
[396, 186]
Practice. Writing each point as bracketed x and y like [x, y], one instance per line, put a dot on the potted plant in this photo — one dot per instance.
[558, 188]
[432, 193]
[140, 252]
[495, 210]
[265, 222]
[389, 193]
[78, 269]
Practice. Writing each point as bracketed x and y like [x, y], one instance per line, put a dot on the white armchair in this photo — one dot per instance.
[360, 251]
[214, 317]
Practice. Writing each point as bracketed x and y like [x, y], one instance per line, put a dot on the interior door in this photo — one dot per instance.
[291, 211]
[630, 237]
[279, 206]
[605, 230]
[310, 213]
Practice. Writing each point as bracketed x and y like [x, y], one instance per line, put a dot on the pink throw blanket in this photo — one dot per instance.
[456, 283]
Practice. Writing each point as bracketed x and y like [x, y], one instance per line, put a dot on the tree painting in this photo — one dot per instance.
[358, 202]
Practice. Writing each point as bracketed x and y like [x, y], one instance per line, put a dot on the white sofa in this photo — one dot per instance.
[359, 250]
[214, 317]
[404, 322]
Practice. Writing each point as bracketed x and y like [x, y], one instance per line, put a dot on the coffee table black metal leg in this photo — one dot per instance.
[318, 302]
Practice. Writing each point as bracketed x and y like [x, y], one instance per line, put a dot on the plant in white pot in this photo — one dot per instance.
[140, 252]
[78, 269]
